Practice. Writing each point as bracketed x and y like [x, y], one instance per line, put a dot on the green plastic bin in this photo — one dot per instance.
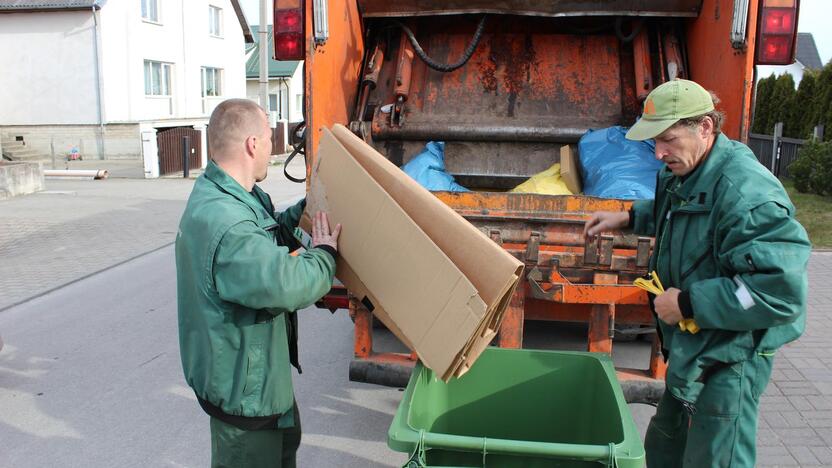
[518, 408]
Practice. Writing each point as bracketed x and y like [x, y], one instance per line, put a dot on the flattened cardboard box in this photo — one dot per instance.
[569, 171]
[438, 283]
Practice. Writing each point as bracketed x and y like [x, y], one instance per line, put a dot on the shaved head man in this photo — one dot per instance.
[238, 291]
[241, 140]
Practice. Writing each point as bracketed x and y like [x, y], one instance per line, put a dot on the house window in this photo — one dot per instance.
[273, 103]
[215, 21]
[299, 102]
[150, 10]
[211, 81]
[157, 78]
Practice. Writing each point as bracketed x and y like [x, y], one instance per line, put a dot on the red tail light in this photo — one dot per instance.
[289, 28]
[776, 32]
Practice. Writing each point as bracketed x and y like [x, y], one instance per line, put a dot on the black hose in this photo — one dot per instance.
[441, 66]
[298, 137]
[628, 38]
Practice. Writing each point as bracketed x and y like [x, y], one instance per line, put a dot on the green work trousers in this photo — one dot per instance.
[722, 432]
[232, 447]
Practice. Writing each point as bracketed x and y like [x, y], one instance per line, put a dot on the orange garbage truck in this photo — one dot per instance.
[507, 84]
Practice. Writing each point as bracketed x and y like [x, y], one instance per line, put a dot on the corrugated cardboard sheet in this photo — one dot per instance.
[438, 283]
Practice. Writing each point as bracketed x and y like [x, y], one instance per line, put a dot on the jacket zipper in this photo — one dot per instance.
[695, 265]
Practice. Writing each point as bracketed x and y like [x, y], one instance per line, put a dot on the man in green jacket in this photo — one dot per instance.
[733, 259]
[238, 289]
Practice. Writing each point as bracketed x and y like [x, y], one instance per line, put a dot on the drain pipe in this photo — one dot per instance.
[263, 50]
[99, 83]
[96, 174]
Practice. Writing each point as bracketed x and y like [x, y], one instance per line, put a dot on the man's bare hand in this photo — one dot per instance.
[667, 306]
[605, 221]
[321, 234]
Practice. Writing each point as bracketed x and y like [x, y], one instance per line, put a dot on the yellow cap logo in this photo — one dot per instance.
[649, 107]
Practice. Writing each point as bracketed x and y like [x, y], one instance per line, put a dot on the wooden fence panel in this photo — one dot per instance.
[170, 143]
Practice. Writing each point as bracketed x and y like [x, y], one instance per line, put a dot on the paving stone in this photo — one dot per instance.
[800, 436]
[775, 456]
[801, 403]
[804, 455]
[823, 454]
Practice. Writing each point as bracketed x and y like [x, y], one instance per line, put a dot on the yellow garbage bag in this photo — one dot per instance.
[548, 182]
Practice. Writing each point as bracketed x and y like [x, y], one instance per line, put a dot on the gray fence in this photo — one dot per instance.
[776, 160]
[777, 152]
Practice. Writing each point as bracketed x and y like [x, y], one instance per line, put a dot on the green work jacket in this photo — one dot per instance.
[237, 290]
[727, 237]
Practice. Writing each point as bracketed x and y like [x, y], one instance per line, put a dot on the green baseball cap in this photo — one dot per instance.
[669, 103]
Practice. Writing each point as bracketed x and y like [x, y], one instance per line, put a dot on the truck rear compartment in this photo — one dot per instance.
[534, 83]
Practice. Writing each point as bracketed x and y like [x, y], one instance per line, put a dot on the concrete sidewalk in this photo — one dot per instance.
[78, 227]
[796, 409]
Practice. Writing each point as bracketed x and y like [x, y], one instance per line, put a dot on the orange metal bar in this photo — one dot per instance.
[643, 66]
[658, 366]
[608, 292]
[511, 330]
[673, 56]
[601, 320]
[363, 331]
[552, 311]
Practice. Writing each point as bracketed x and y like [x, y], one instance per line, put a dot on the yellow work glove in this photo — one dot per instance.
[651, 284]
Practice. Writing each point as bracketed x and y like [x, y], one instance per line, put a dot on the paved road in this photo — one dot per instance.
[90, 374]
[95, 381]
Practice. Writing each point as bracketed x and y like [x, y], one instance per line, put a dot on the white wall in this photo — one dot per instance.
[48, 68]
[288, 99]
[795, 69]
[296, 95]
[182, 39]
[276, 86]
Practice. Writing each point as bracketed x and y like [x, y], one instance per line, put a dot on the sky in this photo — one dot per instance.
[814, 18]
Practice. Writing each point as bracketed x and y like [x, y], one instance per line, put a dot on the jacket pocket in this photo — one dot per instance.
[697, 262]
[254, 370]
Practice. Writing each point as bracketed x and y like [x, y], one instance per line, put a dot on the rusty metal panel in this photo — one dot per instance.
[169, 142]
[399, 8]
[517, 86]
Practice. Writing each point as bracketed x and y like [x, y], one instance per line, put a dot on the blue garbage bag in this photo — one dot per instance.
[428, 168]
[615, 167]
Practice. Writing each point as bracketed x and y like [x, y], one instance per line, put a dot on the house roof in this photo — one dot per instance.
[277, 68]
[45, 5]
[807, 52]
[242, 19]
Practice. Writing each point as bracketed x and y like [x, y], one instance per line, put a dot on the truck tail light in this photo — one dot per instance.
[777, 30]
[289, 28]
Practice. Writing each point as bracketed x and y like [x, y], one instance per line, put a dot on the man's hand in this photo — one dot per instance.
[667, 306]
[321, 234]
[605, 221]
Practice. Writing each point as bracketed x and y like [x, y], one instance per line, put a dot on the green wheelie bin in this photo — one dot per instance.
[518, 408]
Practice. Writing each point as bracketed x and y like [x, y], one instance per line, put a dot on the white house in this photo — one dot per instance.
[106, 76]
[805, 57]
[285, 82]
